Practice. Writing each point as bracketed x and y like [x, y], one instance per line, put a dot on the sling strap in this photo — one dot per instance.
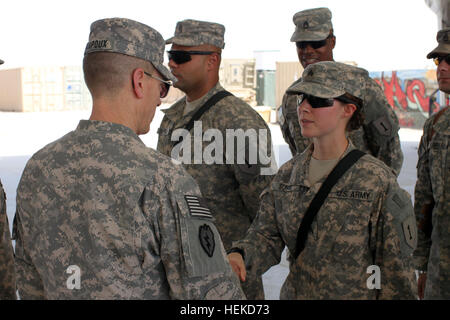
[338, 171]
[205, 107]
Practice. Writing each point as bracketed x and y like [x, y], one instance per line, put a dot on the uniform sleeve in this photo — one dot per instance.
[285, 119]
[262, 244]
[423, 203]
[7, 274]
[257, 171]
[391, 152]
[29, 283]
[396, 241]
[189, 244]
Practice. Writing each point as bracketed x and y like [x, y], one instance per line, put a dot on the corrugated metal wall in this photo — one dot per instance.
[286, 74]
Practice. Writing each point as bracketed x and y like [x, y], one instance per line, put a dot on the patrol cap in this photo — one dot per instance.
[129, 37]
[312, 25]
[195, 33]
[330, 79]
[443, 39]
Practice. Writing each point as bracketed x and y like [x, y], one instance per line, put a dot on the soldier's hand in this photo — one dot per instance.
[238, 265]
[421, 285]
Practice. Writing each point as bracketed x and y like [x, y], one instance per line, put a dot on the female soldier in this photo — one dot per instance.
[364, 225]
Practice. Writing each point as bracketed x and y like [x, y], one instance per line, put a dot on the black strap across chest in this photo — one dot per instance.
[343, 165]
[205, 107]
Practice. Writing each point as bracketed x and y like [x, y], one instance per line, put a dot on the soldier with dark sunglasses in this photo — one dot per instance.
[378, 136]
[231, 190]
[431, 194]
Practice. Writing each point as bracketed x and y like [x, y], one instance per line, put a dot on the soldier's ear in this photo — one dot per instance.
[214, 60]
[333, 42]
[349, 109]
[137, 81]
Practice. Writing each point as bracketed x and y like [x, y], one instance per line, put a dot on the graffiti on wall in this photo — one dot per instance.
[410, 93]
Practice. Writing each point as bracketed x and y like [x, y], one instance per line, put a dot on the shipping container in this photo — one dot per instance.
[286, 74]
[33, 89]
[265, 88]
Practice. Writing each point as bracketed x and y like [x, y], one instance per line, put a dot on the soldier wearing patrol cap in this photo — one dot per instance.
[431, 198]
[7, 274]
[100, 215]
[230, 189]
[360, 221]
[378, 135]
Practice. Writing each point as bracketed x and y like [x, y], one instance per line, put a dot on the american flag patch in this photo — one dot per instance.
[197, 207]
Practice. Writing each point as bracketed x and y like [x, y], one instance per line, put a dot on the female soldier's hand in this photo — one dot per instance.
[238, 265]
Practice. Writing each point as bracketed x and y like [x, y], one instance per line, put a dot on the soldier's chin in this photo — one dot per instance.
[444, 85]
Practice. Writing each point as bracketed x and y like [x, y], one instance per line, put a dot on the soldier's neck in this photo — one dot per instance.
[200, 91]
[329, 148]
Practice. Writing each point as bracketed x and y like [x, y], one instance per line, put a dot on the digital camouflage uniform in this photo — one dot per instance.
[431, 199]
[379, 134]
[231, 191]
[367, 219]
[7, 274]
[432, 205]
[126, 217]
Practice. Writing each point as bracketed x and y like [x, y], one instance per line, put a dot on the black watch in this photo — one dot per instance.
[238, 250]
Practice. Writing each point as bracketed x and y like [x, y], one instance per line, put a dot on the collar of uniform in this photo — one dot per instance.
[300, 170]
[175, 112]
[104, 126]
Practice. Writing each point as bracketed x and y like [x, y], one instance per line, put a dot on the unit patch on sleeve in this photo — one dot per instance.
[207, 241]
[197, 207]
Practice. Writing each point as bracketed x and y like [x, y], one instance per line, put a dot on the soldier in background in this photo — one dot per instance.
[7, 274]
[378, 135]
[231, 189]
[100, 215]
[431, 194]
[366, 220]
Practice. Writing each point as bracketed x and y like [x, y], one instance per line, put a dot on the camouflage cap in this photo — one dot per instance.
[195, 33]
[129, 37]
[329, 79]
[443, 39]
[312, 25]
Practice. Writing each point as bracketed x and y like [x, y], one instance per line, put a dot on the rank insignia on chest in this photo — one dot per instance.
[206, 237]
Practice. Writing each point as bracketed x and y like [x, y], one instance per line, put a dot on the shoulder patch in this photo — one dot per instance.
[410, 231]
[197, 207]
[207, 241]
[401, 208]
[383, 126]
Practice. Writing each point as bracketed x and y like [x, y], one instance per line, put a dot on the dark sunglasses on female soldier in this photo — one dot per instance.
[317, 102]
[439, 59]
[180, 56]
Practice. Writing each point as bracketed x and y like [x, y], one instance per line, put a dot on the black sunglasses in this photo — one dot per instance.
[180, 56]
[439, 59]
[164, 85]
[315, 102]
[313, 44]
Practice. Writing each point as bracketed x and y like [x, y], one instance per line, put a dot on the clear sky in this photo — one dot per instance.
[376, 34]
